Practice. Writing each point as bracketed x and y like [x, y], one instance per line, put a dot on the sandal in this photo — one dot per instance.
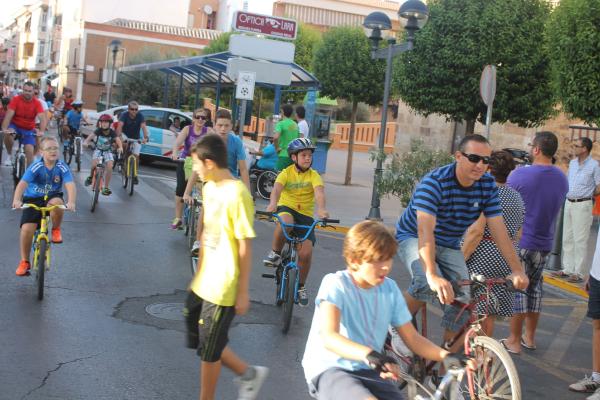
[575, 279]
[525, 345]
[559, 274]
[503, 343]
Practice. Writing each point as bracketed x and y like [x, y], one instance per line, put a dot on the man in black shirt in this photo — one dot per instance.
[129, 126]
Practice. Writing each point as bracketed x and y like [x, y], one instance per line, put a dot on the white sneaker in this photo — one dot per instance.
[585, 385]
[249, 388]
[8, 161]
[595, 396]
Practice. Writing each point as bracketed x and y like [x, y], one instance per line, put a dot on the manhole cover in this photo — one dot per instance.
[170, 311]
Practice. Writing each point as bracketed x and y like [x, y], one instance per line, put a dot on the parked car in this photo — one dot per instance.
[158, 121]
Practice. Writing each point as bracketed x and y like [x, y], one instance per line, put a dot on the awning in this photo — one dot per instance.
[211, 69]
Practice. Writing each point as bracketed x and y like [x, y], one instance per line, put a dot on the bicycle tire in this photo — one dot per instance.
[285, 259]
[78, 154]
[68, 154]
[132, 174]
[194, 264]
[124, 178]
[41, 268]
[288, 293]
[191, 225]
[504, 376]
[96, 189]
[264, 184]
[22, 163]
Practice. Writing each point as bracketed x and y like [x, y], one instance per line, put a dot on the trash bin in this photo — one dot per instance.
[320, 155]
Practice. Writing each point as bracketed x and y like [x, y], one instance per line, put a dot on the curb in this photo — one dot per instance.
[566, 286]
[334, 229]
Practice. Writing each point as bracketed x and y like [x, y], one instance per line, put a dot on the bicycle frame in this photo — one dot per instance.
[130, 158]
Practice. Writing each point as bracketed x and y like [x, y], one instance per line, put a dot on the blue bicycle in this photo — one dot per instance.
[287, 278]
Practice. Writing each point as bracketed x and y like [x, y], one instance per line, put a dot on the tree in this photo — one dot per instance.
[573, 37]
[441, 75]
[218, 45]
[345, 70]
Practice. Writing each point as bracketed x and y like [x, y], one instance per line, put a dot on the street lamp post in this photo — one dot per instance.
[114, 47]
[413, 15]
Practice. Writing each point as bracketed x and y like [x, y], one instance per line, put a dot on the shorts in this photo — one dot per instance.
[24, 136]
[31, 216]
[136, 147]
[594, 299]
[181, 179]
[282, 163]
[108, 155]
[534, 262]
[207, 327]
[73, 131]
[338, 383]
[299, 219]
[451, 266]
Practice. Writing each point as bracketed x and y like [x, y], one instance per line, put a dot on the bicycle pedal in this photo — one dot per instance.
[268, 276]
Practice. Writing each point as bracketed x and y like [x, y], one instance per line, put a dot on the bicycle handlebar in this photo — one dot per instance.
[309, 228]
[44, 208]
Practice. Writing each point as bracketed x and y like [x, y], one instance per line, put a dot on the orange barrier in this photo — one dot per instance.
[366, 136]
[596, 209]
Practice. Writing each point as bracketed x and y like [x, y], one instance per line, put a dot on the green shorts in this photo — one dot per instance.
[283, 163]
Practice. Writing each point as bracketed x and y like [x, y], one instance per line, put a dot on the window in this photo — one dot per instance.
[27, 50]
[153, 118]
[44, 20]
[183, 121]
[41, 56]
[58, 20]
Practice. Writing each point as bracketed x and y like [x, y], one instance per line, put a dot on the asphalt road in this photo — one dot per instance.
[110, 325]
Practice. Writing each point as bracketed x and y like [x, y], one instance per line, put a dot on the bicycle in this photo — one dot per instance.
[191, 212]
[495, 377]
[41, 245]
[19, 160]
[98, 180]
[129, 166]
[287, 278]
[72, 147]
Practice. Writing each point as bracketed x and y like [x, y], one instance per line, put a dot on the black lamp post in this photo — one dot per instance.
[413, 16]
[114, 46]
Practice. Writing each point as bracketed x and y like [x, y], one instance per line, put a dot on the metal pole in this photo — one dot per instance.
[166, 91]
[488, 120]
[218, 93]
[242, 118]
[180, 91]
[197, 91]
[375, 212]
[277, 101]
[110, 79]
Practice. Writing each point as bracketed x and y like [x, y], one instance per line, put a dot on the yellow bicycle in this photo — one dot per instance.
[41, 245]
[128, 166]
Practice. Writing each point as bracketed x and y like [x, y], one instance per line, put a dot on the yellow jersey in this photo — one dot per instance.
[228, 217]
[299, 189]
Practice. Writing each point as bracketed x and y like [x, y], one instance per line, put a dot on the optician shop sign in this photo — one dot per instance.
[265, 25]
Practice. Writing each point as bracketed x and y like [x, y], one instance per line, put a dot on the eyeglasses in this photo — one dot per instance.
[51, 149]
[475, 159]
[202, 117]
[132, 109]
[578, 146]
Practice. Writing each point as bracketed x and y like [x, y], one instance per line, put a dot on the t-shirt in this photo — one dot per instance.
[299, 189]
[25, 111]
[74, 119]
[235, 153]
[228, 217]
[288, 131]
[543, 189]
[131, 126]
[454, 206]
[269, 158]
[104, 139]
[42, 181]
[365, 316]
[50, 97]
[303, 128]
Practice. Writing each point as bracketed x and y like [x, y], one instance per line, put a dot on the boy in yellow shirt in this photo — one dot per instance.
[219, 290]
[294, 194]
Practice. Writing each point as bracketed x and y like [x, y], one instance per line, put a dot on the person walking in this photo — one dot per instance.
[584, 183]
[303, 127]
[479, 248]
[543, 188]
[286, 130]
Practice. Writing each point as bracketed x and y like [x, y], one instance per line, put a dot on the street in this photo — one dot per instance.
[110, 325]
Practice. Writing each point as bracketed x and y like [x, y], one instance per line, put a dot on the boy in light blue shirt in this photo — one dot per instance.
[354, 309]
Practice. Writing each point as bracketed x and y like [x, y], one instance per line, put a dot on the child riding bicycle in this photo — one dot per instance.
[354, 309]
[73, 120]
[294, 194]
[104, 138]
[42, 185]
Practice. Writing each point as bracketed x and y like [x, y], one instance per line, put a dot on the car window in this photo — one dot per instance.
[172, 123]
[153, 118]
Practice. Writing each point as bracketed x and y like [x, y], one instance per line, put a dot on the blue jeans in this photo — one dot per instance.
[450, 264]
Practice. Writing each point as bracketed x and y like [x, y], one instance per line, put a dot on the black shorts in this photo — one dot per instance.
[594, 299]
[181, 182]
[299, 219]
[72, 131]
[31, 216]
[207, 327]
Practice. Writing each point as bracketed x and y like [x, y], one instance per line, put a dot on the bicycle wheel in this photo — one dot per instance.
[132, 174]
[288, 293]
[496, 376]
[124, 174]
[285, 259]
[96, 189]
[264, 184]
[78, 153]
[194, 264]
[21, 165]
[41, 267]
[191, 225]
[68, 153]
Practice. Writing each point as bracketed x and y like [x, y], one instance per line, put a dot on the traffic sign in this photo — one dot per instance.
[245, 85]
[487, 84]
[261, 48]
[265, 25]
[266, 72]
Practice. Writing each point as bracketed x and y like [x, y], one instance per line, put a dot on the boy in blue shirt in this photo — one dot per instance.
[354, 309]
[73, 120]
[42, 185]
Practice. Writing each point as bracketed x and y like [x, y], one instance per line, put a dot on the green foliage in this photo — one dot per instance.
[218, 45]
[345, 69]
[573, 37]
[307, 41]
[403, 171]
[344, 112]
[441, 75]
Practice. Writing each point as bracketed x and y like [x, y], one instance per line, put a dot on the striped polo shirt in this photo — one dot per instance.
[454, 206]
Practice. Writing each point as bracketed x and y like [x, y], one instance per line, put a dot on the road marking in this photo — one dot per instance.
[543, 365]
[566, 286]
[563, 338]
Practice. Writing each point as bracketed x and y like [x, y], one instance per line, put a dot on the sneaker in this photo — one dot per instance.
[56, 235]
[249, 388]
[177, 224]
[302, 297]
[273, 260]
[135, 180]
[595, 396]
[195, 248]
[8, 161]
[88, 181]
[586, 385]
[106, 191]
[23, 268]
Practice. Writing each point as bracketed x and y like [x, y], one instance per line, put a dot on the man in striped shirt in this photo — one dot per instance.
[445, 203]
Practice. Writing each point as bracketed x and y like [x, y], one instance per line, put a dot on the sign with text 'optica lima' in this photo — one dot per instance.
[265, 25]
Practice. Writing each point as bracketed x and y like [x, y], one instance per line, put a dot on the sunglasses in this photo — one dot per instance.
[475, 159]
[202, 117]
[132, 109]
[51, 149]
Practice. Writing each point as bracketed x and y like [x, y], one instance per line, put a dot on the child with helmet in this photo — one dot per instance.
[103, 137]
